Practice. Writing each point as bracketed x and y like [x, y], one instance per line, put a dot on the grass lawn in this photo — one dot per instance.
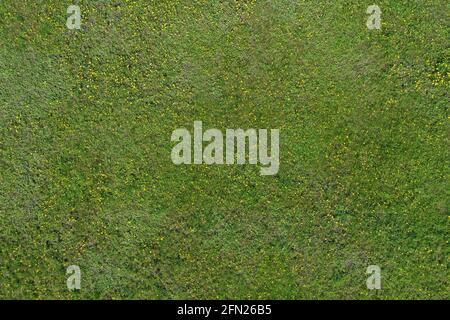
[86, 176]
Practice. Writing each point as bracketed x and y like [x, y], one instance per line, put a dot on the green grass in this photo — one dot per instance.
[86, 176]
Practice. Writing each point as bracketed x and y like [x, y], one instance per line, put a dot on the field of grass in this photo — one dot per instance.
[86, 176]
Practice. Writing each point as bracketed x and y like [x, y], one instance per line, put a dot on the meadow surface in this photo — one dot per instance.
[86, 176]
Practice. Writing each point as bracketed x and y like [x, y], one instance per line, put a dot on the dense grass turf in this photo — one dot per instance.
[86, 176]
